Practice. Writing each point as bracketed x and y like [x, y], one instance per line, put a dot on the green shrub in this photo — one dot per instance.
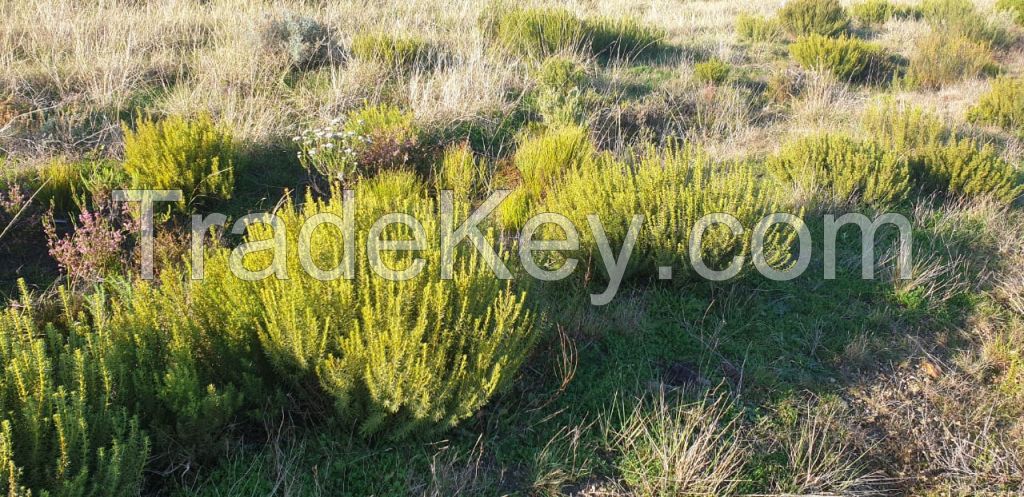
[713, 71]
[1002, 106]
[460, 172]
[195, 156]
[623, 38]
[758, 28]
[943, 58]
[961, 167]
[841, 168]
[821, 17]
[61, 432]
[62, 183]
[848, 59]
[672, 189]
[879, 11]
[391, 51]
[393, 357]
[561, 83]
[1015, 7]
[902, 128]
[371, 139]
[537, 32]
[544, 158]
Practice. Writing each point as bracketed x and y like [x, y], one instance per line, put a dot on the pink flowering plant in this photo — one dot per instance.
[100, 241]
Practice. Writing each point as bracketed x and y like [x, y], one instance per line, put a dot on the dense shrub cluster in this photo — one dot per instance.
[842, 168]
[758, 28]
[672, 188]
[1002, 106]
[391, 51]
[848, 59]
[814, 17]
[938, 159]
[195, 156]
[61, 430]
[963, 168]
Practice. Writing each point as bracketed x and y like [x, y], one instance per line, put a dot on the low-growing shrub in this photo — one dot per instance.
[841, 168]
[821, 17]
[176, 153]
[1002, 105]
[902, 128]
[302, 41]
[879, 11]
[713, 71]
[848, 59]
[461, 173]
[756, 28]
[391, 51]
[942, 58]
[371, 139]
[623, 38]
[537, 32]
[544, 158]
[62, 184]
[561, 83]
[61, 430]
[671, 188]
[99, 244]
[962, 168]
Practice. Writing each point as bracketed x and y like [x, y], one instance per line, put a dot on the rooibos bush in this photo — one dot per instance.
[821, 17]
[848, 59]
[758, 28]
[942, 58]
[841, 168]
[391, 51]
[176, 153]
[1002, 106]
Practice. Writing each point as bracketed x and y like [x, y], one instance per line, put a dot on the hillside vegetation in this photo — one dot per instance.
[241, 351]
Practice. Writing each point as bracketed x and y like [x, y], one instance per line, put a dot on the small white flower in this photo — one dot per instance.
[328, 145]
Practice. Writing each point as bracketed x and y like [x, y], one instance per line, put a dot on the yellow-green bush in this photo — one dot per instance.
[713, 71]
[61, 430]
[880, 11]
[841, 168]
[1015, 7]
[942, 58]
[756, 28]
[537, 32]
[961, 167]
[544, 158]
[176, 153]
[848, 59]
[461, 173]
[902, 128]
[821, 17]
[62, 184]
[393, 357]
[1002, 105]
[390, 50]
[672, 188]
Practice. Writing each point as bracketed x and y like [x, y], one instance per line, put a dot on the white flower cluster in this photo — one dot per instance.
[331, 150]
